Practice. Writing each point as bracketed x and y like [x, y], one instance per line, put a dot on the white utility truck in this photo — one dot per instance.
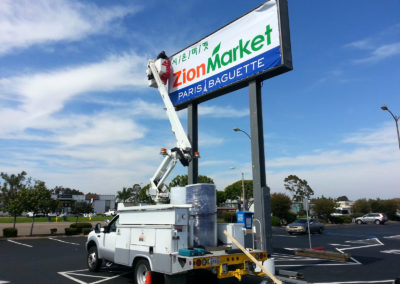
[176, 238]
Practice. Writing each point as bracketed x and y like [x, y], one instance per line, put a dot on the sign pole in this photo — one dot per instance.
[193, 135]
[261, 192]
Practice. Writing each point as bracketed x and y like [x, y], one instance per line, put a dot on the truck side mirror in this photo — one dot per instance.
[97, 228]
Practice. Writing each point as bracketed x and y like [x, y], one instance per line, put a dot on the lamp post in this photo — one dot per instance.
[396, 119]
[243, 191]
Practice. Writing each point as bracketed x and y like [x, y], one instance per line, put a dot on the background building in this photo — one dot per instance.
[100, 203]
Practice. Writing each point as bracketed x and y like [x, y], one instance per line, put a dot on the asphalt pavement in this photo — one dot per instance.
[375, 251]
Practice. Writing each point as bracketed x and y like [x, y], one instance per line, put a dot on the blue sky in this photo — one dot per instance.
[75, 109]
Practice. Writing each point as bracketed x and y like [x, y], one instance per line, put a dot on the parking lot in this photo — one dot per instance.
[375, 251]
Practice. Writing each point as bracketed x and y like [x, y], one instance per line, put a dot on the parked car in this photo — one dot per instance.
[377, 218]
[300, 226]
[30, 214]
[110, 213]
[89, 215]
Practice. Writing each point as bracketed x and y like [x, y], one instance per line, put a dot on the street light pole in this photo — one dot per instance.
[244, 194]
[243, 190]
[396, 119]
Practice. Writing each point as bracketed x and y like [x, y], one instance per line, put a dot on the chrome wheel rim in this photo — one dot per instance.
[141, 274]
[92, 259]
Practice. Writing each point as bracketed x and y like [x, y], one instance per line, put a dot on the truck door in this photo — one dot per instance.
[109, 239]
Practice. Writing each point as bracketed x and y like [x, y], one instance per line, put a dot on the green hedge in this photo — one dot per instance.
[290, 217]
[72, 231]
[229, 217]
[86, 231]
[81, 226]
[10, 232]
[340, 219]
[275, 221]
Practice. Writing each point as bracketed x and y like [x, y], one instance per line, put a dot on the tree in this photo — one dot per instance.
[324, 207]
[299, 188]
[280, 205]
[10, 197]
[65, 190]
[81, 207]
[221, 197]
[361, 206]
[37, 199]
[388, 207]
[342, 198]
[182, 180]
[144, 196]
[235, 191]
[125, 194]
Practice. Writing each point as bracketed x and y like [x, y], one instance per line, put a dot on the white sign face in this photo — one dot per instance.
[244, 48]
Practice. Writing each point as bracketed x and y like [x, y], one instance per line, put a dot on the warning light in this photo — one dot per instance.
[163, 152]
[196, 155]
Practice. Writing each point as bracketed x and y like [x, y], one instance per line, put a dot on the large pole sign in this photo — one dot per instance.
[255, 46]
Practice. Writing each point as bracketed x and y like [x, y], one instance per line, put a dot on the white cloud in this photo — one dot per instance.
[383, 136]
[207, 140]
[24, 23]
[368, 169]
[43, 94]
[380, 53]
[101, 130]
[219, 112]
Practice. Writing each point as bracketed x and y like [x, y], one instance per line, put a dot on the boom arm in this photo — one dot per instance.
[183, 152]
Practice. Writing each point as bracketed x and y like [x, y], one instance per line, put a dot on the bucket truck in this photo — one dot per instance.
[162, 238]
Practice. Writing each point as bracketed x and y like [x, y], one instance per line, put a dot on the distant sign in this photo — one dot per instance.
[255, 46]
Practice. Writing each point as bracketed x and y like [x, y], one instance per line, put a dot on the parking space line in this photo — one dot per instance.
[21, 244]
[378, 243]
[61, 241]
[396, 237]
[70, 274]
[355, 282]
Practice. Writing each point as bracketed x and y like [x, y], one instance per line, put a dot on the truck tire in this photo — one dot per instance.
[142, 267]
[93, 261]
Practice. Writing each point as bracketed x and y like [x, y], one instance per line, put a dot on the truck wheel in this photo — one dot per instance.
[142, 267]
[93, 260]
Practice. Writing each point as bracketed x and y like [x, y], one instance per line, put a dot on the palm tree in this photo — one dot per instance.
[125, 194]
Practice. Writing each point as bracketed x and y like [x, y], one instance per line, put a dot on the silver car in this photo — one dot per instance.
[300, 226]
[377, 218]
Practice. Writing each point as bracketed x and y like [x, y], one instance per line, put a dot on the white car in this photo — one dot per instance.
[30, 214]
[110, 213]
